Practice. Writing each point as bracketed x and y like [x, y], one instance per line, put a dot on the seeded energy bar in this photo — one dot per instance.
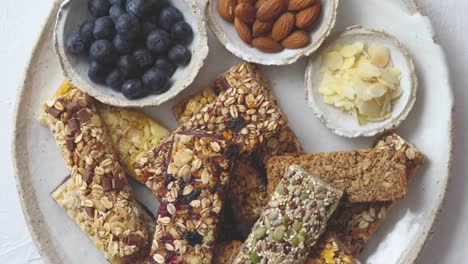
[97, 174]
[226, 252]
[67, 196]
[293, 221]
[197, 177]
[330, 250]
[366, 175]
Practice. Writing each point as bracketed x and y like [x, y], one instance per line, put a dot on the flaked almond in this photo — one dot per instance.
[297, 39]
[259, 3]
[261, 28]
[283, 26]
[307, 17]
[243, 30]
[245, 12]
[266, 44]
[226, 9]
[297, 5]
[270, 10]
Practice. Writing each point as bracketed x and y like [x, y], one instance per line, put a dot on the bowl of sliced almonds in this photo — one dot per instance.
[362, 82]
[271, 32]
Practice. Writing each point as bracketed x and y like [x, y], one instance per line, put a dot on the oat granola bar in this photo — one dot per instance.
[67, 197]
[226, 252]
[365, 176]
[190, 106]
[355, 223]
[96, 172]
[292, 222]
[197, 178]
[330, 250]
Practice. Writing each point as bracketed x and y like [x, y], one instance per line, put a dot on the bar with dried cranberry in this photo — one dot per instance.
[197, 178]
[292, 222]
[103, 189]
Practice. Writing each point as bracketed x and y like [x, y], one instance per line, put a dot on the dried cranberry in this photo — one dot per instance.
[167, 238]
[236, 124]
[194, 238]
[163, 210]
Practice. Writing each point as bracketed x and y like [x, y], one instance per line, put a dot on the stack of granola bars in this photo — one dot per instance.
[233, 182]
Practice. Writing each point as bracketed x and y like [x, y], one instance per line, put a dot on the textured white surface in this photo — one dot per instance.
[20, 25]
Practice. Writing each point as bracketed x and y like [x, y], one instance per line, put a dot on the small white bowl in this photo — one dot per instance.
[227, 35]
[75, 68]
[343, 123]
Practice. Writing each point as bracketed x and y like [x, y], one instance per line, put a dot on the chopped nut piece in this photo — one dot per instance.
[289, 226]
[330, 251]
[94, 153]
[188, 234]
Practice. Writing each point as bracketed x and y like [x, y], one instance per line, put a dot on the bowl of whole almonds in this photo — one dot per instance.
[271, 32]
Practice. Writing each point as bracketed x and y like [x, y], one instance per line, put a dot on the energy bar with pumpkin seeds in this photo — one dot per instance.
[330, 250]
[245, 114]
[67, 197]
[226, 252]
[96, 172]
[355, 223]
[197, 178]
[371, 175]
[293, 221]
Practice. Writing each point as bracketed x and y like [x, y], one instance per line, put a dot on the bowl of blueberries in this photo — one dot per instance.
[131, 53]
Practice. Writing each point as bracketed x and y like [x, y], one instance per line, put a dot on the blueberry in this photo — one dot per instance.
[98, 8]
[133, 89]
[97, 72]
[104, 28]
[147, 27]
[165, 65]
[115, 79]
[144, 58]
[122, 44]
[116, 2]
[158, 41]
[102, 51]
[76, 43]
[87, 29]
[180, 55]
[169, 16]
[128, 65]
[115, 12]
[139, 8]
[153, 18]
[128, 26]
[156, 5]
[155, 81]
[181, 32]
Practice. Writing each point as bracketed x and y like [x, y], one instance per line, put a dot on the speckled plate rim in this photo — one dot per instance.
[49, 255]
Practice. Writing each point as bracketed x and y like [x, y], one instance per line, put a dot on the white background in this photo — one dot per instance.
[21, 22]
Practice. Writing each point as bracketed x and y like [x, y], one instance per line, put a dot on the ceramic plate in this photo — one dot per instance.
[39, 165]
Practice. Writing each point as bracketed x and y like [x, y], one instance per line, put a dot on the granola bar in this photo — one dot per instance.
[245, 114]
[191, 105]
[355, 223]
[133, 134]
[366, 175]
[293, 221]
[67, 197]
[330, 251]
[226, 252]
[96, 172]
[197, 176]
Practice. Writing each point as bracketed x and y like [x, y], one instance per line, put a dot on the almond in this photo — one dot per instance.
[307, 17]
[250, 2]
[226, 9]
[296, 5]
[245, 12]
[270, 10]
[266, 44]
[283, 26]
[243, 30]
[261, 28]
[259, 3]
[297, 39]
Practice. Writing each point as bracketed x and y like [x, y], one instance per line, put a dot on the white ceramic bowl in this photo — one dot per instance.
[342, 123]
[226, 33]
[75, 68]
